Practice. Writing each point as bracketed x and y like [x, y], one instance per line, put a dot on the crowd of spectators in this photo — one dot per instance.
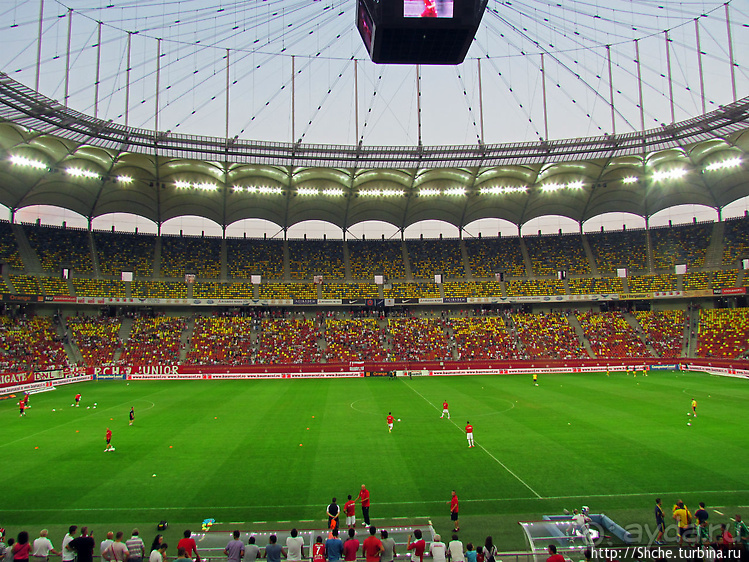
[680, 244]
[616, 250]
[354, 339]
[120, 251]
[550, 254]
[58, 247]
[221, 340]
[490, 255]
[190, 254]
[418, 339]
[548, 336]
[31, 343]
[429, 257]
[288, 340]
[663, 330]
[723, 332]
[97, 338]
[610, 335]
[483, 338]
[154, 341]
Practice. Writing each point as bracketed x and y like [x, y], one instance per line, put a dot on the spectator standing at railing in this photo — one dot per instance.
[105, 544]
[159, 553]
[136, 547]
[68, 555]
[273, 550]
[186, 542]
[388, 545]
[455, 550]
[22, 548]
[295, 547]
[350, 547]
[43, 546]
[438, 549]
[251, 551]
[234, 550]
[333, 547]
[117, 551]
[418, 546]
[84, 546]
[372, 546]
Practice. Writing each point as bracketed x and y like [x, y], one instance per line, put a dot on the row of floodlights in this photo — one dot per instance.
[658, 176]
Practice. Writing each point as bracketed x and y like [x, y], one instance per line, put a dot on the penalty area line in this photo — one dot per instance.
[499, 462]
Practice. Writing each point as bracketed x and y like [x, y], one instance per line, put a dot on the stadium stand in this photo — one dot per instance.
[651, 283]
[248, 256]
[316, 257]
[190, 254]
[355, 339]
[288, 291]
[429, 257]
[350, 291]
[596, 285]
[723, 332]
[539, 287]
[488, 256]
[736, 240]
[547, 336]
[99, 288]
[9, 247]
[97, 338]
[483, 338]
[158, 290]
[221, 340]
[215, 290]
[368, 257]
[418, 339]
[680, 244]
[154, 341]
[288, 340]
[119, 251]
[610, 335]
[615, 250]
[412, 290]
[54, 286]
[57, 247]
[724, 278]
[664, 330]
[30, 343]
[550, 254]
[696, 280]
[25, 284]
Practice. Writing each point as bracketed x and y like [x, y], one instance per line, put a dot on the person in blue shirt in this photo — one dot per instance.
[333, 547]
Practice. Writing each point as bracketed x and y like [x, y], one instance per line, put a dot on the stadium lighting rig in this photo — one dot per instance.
[724, 165]
[203, 186]
[124, 179]
[28, 162]
[503, 190]
[81, 173]
[382, 192]
[630, 180]
[675, 174]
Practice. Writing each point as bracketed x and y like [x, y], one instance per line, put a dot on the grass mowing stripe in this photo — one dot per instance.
[523, 482]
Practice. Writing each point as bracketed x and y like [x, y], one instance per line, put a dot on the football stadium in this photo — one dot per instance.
[476, 270]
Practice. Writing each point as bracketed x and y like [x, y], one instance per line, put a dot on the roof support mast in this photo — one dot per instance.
[418, 103]
[158, 77]
[98, 71]
[293, 100]
[639, 86]
[227, 95]
[699, 64]
[670, 81]
[611, 91]
[481, 102]
[127, 79]
[39, 44]
[356, 102]
[730, 53]
[67, 58]
[543, 89]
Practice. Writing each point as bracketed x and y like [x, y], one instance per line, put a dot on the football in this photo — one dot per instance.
[399, 419]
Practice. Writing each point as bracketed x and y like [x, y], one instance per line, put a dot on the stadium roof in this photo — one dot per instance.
[52, 155]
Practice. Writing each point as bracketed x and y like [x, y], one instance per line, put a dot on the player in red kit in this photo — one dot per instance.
[430, 9]
[22, 407]
[445, 410]
[77, 400]
[469, 433]
[364, 497]
[109, 441]
[390, 422]
[454, 512]
[349, 508]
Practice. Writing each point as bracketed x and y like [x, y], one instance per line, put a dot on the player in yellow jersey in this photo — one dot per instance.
[694, 407]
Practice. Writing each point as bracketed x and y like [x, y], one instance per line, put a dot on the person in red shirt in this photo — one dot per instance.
[350, 509]
[430, 9]
[372, 547]
[188, 543]
[109, 441]
[445, 410]
[554, 556]
[390, 422]
[318, 550]
[22, 407]
[77, 399]
[469, 433]
[364, 497]
[351, 547]
[454, 512]
[418, 546]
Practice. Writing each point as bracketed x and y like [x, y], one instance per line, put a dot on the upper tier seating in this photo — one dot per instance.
[288, 291]
[550, 254]
[119, 251]
[491, 255]
[652, 283]
[215, 290]
[736, 238]
[9, 247]
[99, 288]
[368, 257]
[680, 244]
[158, 290]
[539, 287]
[596, 285]
[616, 250]
[350, 291]
[190, 254]
[248, 256]
[58, 247]
[421, 290]
[429, 257]
[308, 258]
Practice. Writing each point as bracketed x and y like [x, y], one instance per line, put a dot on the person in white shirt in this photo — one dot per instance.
[157, 555]
[43, 546]
[455, 548]
[105, 544]
[438, 549]
[295, 546]
[68, 554]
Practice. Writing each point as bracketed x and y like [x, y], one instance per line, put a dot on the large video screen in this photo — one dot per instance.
[428, 8]
[365, 25]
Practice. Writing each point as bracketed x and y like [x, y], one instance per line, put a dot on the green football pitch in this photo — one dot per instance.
[272, 453]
